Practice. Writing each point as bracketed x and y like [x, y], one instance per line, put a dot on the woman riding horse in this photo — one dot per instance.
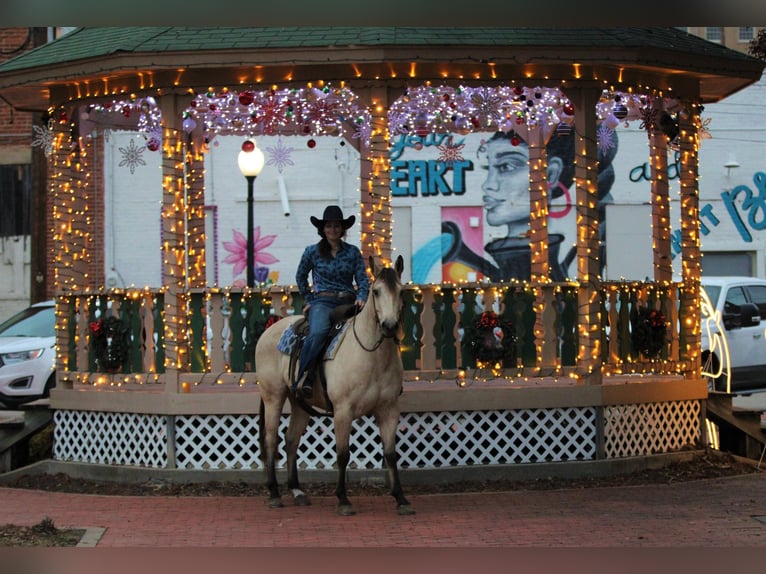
[364, 377]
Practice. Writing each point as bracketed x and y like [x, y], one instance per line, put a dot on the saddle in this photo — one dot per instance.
[338, 317]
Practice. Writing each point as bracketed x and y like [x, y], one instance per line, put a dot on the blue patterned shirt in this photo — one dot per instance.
[332, 274]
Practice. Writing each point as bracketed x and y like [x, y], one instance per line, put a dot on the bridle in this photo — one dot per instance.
[383, 336]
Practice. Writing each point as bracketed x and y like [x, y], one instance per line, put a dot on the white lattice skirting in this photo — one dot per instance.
[425, 440]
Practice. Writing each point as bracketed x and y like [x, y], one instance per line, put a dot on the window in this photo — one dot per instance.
[16, 199]
[714, 34]
[746, 33]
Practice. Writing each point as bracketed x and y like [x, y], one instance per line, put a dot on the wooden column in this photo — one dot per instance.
[691, 267]
[658, 150]
[375, 179]
[588, 251]
[175, 279]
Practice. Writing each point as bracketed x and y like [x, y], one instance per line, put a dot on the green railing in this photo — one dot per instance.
[439, 327]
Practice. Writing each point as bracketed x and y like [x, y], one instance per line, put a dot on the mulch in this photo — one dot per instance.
[703, 465]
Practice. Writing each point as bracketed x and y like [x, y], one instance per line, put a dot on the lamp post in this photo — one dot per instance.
[250, 161]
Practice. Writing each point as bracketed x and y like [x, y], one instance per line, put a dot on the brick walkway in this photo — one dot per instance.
[716, 512]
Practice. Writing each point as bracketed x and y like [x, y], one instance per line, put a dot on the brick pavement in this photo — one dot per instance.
[707, 513]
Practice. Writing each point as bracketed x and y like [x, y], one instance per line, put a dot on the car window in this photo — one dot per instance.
[713, 291]
[735, 297]
[31, 322]
[758, 296]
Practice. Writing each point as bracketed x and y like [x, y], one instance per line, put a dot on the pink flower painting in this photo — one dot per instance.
[238, 250]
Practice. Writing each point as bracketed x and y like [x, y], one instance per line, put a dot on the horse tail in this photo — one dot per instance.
[261, 432]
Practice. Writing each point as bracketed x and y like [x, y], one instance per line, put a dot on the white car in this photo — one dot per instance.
[734, 333]
[28, 355]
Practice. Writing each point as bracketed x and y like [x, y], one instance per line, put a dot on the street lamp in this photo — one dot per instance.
[250, 163]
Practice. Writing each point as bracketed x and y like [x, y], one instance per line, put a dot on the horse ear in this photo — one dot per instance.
[373, 266]
[399, 265]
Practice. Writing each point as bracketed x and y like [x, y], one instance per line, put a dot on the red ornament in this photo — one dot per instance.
[248, 145]
[515, 141]
[311, 143]
[153, 144]
[568, 109]
[246, 98]
[519, 120]
[518, 90]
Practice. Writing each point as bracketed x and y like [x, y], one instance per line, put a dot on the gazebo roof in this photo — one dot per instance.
[132, 58]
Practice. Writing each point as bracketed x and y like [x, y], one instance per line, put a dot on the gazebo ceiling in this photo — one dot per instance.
[93, 62]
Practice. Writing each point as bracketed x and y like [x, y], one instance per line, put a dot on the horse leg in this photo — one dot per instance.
[342, 426]
[299, 419]
[269, 431]
[387, 424]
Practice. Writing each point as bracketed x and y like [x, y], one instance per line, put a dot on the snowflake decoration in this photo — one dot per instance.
[279, 155]
[132, 156]
[43, 138]
[450, 153]
[487, 104]
[271, 114]
[363, 132]
[648, 118]
[704, 133]
[605, 139]
[397, 122]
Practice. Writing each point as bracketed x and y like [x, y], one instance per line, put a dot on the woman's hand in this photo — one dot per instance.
[359, 304]
[305, 308]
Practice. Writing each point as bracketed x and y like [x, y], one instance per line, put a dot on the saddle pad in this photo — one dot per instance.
[332, 348]
[287, 341]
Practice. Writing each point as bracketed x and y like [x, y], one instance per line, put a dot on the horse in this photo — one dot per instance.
[365, 377]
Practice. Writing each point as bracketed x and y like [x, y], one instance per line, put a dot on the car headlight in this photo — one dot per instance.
[21, 356]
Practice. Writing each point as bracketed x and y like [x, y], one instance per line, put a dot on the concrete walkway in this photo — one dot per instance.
[708, 513]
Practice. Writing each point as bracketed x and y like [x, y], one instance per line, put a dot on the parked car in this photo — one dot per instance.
[28, 355]
[733, 341]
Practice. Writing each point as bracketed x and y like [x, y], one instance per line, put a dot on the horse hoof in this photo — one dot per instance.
[405, 510]
[275, 503]
[346, 510]
[302, 500]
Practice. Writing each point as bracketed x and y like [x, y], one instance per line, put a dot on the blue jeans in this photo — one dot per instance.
[319, 327]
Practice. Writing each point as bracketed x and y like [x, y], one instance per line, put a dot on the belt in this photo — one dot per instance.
[337, 294]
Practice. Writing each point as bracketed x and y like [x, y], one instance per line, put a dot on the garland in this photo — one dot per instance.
[649, 332]
[110, 341]
[489, 339]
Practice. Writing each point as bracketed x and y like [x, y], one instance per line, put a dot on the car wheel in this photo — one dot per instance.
[49, 384]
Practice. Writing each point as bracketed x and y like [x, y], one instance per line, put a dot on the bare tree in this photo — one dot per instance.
[757, 46]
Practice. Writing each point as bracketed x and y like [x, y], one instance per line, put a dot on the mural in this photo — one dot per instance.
[500, 190]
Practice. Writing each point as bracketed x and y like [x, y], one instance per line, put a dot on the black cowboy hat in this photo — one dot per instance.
[333, 213]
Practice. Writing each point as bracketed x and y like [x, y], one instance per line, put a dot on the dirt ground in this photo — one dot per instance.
[706, 464]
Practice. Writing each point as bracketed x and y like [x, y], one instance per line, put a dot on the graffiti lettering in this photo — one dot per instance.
[644, 172]
[753, 205]
[407, 177]
[416, 142]
[748, 214]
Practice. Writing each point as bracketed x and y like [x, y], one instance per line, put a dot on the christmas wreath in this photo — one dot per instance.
[649, 332]
[490, 339]
[111, 342]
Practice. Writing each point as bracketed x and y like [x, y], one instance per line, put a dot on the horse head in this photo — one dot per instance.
[386, 295]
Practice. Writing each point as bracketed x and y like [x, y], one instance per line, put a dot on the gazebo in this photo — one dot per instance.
[575, 382]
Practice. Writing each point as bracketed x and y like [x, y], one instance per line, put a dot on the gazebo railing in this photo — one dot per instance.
[441, 331]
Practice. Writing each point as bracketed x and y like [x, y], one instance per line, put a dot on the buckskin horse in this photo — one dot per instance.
[365, 377]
